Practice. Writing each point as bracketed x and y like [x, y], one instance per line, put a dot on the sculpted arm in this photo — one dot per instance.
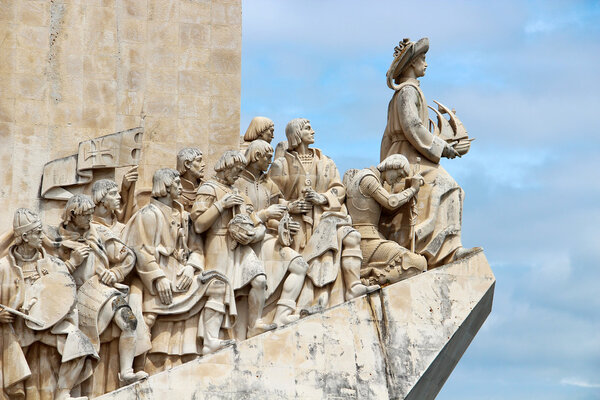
[206, 209]
[140, 239]
[370, 186]
[121, 257]
[415, 130]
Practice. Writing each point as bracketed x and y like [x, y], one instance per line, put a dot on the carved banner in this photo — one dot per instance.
[116, 150]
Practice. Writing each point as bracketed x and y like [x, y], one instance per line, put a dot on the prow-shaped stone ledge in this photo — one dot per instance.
[401, 342]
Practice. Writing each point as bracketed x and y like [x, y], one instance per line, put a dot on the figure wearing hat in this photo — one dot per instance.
[440, 200]
[47, 359]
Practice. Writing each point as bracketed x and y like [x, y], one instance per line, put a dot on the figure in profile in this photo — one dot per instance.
[39, 362]
[384, 261]
[285, 267]
[260, 128]
[231, 227]
[99, 263]
[182, 304]
[190, 165]
[311, 183]
[440, 200]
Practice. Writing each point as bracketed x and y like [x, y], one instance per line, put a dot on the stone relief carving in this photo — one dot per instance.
[119, 149]
[115, 293]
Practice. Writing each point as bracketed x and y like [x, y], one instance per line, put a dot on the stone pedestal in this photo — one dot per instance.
[398, 343]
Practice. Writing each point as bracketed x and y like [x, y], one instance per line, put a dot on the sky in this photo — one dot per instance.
[524, 77]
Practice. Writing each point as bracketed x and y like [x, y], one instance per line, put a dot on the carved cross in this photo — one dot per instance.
[96, 150]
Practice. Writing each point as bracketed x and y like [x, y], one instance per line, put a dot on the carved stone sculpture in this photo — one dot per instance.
[119, 149]
[260, 128]
[99, 262]
[384, 261]
[440, 200]
[107, 200]
[285, 267]
[190, 166]
[44, 355]
[228, 238]
[183, 305]
[310, 181]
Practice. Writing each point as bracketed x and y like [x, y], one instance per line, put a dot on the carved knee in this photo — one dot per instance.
[352, 240]
[150, 319]
[216, 289]
[298, 266]
[259, 282]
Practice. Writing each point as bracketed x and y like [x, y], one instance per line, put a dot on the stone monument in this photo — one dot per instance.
[269, 279]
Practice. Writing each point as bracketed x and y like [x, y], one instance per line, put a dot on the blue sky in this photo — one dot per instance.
[524, 79]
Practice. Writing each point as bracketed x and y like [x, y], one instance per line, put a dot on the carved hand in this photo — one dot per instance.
[231, 200]
[450, 152]
[79, 254]
[242, 238]
[299, 207]
[314, 197]
[6, 317]
[108, 277]
[186, 275]
[294, 227]
[130, 177]
[163, 286]
[275, 211]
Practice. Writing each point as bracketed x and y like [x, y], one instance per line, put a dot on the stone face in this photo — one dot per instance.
[75, 70]
[399, 343]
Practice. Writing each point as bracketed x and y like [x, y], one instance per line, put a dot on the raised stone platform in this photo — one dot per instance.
[399, 343]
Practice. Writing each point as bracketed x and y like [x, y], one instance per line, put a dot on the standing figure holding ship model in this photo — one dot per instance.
[440, 200]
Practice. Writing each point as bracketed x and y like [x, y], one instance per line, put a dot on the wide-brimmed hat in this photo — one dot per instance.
[404, 54]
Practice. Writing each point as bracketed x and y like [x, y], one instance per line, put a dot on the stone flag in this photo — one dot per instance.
[119, 149]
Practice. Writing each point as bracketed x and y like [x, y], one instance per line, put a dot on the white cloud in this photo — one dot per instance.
[579, 383]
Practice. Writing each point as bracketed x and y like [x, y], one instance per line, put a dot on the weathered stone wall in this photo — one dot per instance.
[72, 70]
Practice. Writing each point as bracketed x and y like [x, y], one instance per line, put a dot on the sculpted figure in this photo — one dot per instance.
[99, 262]
[285, 267]
[440, 200]
[181, 303]
[231, 226]
[107, 200]
[191, 169]
[310, 181]
[39, 361]
[384, 261]
[260, 128]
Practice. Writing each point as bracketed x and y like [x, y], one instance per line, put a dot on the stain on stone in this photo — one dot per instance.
[57, 12]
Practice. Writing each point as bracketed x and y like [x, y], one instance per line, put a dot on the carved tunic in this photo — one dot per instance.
[94, 299]
[241, 264]
[59, 344]
[263, 192]
[440, 199]
[365, 195]
[188, 194]
[323, 229]
[164, 243]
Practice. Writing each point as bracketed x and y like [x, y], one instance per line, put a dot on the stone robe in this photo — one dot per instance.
[322, 229]
[263, 192]
[440, 200]
[240, 264]
[164, 243]
[384, 261]
[30, 359]
[188, 194]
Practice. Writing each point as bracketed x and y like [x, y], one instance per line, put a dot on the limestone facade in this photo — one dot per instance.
[73, 70]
